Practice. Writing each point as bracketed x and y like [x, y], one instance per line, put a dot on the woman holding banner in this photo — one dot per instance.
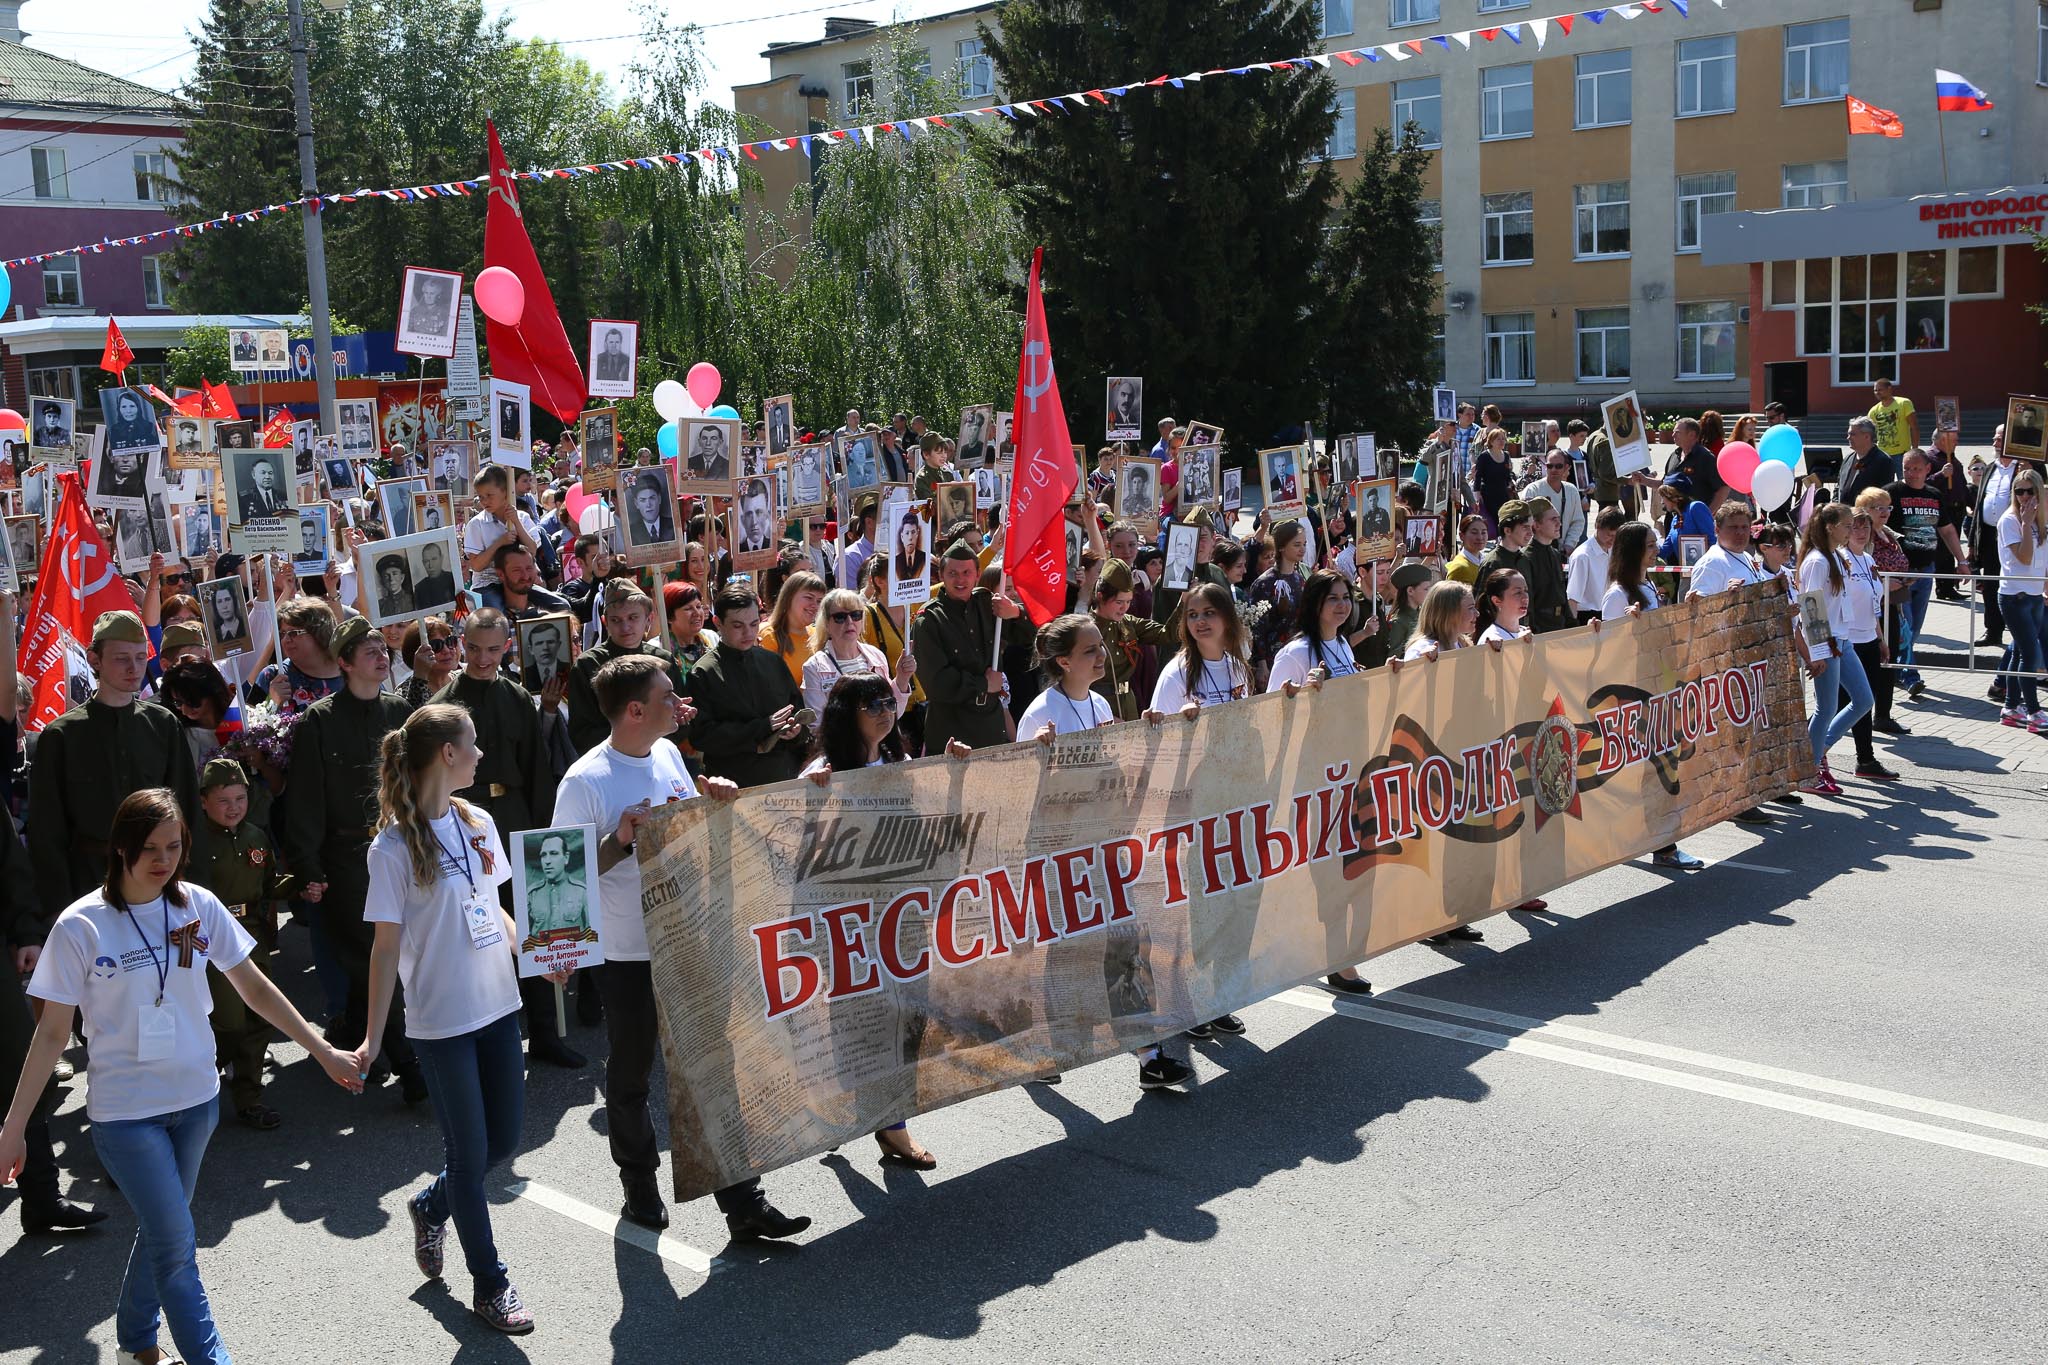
[1449, 617]
[1323, 649]
[1073, 658]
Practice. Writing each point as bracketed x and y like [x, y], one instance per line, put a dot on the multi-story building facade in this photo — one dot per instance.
[1574, 177]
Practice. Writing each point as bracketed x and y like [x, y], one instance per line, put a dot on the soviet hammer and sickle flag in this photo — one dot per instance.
[1035, 554]
[537, 352]
[75, 585]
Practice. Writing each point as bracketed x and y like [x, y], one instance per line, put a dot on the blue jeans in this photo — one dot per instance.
[478, 1084]
[155, 1161]
[2026, 616]
[1912, 617]
[1844, 674]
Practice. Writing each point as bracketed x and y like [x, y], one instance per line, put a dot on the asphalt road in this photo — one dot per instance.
[1784, 1109]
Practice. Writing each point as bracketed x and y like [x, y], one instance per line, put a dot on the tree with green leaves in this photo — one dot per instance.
[1378, 274]
[1182, 227]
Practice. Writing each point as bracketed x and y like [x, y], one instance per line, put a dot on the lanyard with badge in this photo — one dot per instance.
[156, 1028]
[479, 912]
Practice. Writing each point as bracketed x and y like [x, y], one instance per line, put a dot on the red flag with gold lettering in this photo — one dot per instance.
[1035, 550]
[75, 585]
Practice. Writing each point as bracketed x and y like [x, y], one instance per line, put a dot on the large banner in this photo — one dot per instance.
[829, 960]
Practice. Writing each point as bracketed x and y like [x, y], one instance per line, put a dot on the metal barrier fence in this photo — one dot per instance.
[1920, 662]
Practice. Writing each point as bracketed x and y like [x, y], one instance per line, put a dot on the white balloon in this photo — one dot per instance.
[671, 400]
[1772, 484]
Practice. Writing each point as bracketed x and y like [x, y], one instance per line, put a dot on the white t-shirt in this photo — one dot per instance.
[822, 670]
[1495, 632]
[2014, 577]
[1420, 647]
[1218, 681]
[1066, 716]
[1998, 490]
[1615, 604]
[1862, 597]
[453, 984]
[1295, 659]
[1813, 577]
[1719, 570]
[481, 532]
[1586, 576]
[596, 791]
[111, 966]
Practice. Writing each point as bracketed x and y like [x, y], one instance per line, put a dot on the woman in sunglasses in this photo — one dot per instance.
[837, 651]
[435, 653]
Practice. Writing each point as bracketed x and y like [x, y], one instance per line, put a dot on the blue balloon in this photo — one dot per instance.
[725, 410]
[6, 290]
[669, 439]
[1783, 444]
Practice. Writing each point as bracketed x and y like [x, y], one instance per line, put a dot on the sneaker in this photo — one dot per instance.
[428, 1237]
[1996, 691]
[1876, 772]
[2013, 715]
[1201, 1033]
[2038, 722]
[1229, 1024]
[1676, 857]
[1755, 815]
[1163, 1071]
[1822, 783]
[1916, 691]
[505, 1312]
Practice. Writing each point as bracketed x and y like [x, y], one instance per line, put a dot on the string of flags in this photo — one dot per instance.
[1518, 33]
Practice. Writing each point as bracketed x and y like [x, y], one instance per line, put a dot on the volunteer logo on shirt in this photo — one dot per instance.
[676, 792]
[103, 968]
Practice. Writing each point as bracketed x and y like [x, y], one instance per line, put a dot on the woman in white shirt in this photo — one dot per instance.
[1629, 595]
[837, 651]
[1450, 616]
[1503, 601]
[132, 958]
[1865, 605]
[1210, 667]
[1322, 649]
[1822, 570]
[435, 867]
[2023, 570]
[1073, 659]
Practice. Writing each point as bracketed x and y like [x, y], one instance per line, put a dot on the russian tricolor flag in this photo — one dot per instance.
[1954, 95]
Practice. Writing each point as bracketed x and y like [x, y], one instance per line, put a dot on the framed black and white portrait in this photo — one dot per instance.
[224, 609]
[507, 408]
[614, 355]
[315, 528]
[52, 422]
[709, 448]
[257, 484]
[129, 420]
[427, 312]
[357, 418]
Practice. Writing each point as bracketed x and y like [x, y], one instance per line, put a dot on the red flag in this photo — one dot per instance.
[536, 352]
[221, 402]
[1035, 551]
[76, 584]
[1868, 118]
[190, 403]
[117, 357]
[278, 430]
[159, 395]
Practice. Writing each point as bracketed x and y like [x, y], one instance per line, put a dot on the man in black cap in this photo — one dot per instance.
[746, 726]
[954, 640]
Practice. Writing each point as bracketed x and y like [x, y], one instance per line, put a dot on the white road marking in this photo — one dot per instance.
[612, 1224]
[1750, 867]
[1679, 1080]
[1891, 1099]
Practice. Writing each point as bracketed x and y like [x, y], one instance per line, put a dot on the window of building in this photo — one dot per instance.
[1421, 102]
[1702, 196]
[1977, 272]
[152, 282]
[149, 176]
[47, 165]
[1706, 341]
[1336, 17]
[1603, 90]
[923, 65]
[1863, 311]
[1489, 6]
[1815, 183]
[1415, 11]
[1600, 220]
[1511, 348]
[61, 285]
[1603, 343]
[1510, 228]
[1430, 213]
[858, 84]
[1437, 342]
[1782, 288]
[1507, 101]
[1816, 61]
[1344, 136]
[1706, 76]
[977, 70]
[54, 383]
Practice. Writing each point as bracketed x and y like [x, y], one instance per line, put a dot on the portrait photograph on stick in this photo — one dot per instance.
[647, 513]
[427, 314]
[357, 418]
[1626, 434]
[395, 505]
[554, 899]
[25, 542]
[910, 561]
[1198, 486]
[809, 479]
[709, 447]
[952, 504]
[545, 649]
[431, 510]
[1280, 473]
[2026, 427]
[121, 478]
[1137, 489]
[1124, 418]
[407, 577]
[129, 421]
[52, 423]
[778, 418]
[309, 560]
[754, 525]
[451, 465]
[224, 608]
[508, 417]
[977, 433]
[1372, 501]
[614, 357]
[599, 439]
[257, 484]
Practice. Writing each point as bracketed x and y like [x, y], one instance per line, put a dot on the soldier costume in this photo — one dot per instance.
[955, 647]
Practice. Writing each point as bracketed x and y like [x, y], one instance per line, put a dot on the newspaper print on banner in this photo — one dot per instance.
[830, 959]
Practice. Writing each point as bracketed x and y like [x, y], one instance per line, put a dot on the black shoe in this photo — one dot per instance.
[1989, 642]
[1228, 1023]
[412, 1087]
[1200, 1032]
[545, 1046]
[1916, 691]
[764, 1220]
[1793, 799]
[58, 1215]
[643, 1202]
[1161, 1072]
[1349, 985]
[1052, 1079]
[1876, 772]
[1755, 815]
[1464, 933]
[1889, 727]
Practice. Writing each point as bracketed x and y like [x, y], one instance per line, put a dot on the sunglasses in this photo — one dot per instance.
[1554, 464]
[845, 618]
[440, 642]
[880, 706]
[292, 634]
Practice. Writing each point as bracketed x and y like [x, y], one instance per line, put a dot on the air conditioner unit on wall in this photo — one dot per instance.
[1742, 313]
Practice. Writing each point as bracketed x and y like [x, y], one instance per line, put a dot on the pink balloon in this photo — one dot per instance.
[500, 294]
[577, 501]
[1737, 463]
[704, 382]
[10, 420]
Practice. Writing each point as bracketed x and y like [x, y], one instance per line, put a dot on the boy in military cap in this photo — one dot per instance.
[1511, 551]
[182, 640]
[1124, 636]
[238, 865]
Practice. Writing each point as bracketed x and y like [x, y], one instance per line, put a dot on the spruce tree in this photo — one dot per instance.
[1182, 226]
[1379, 350]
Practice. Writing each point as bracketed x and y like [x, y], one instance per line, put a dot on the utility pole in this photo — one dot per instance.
[316, 249]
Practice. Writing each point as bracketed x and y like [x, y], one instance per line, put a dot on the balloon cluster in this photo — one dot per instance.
[1766, 471]
[694, 397]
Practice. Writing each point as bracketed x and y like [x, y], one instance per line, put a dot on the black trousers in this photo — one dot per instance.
[1986, 570]
[341, 911]
[1883, 684]
[38, 1179]
[630, 1023]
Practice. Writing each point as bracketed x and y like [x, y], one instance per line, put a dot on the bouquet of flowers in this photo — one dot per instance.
[264, 738]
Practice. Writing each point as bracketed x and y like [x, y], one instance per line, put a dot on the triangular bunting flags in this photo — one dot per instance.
[1539, 29]
[1564, 24]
